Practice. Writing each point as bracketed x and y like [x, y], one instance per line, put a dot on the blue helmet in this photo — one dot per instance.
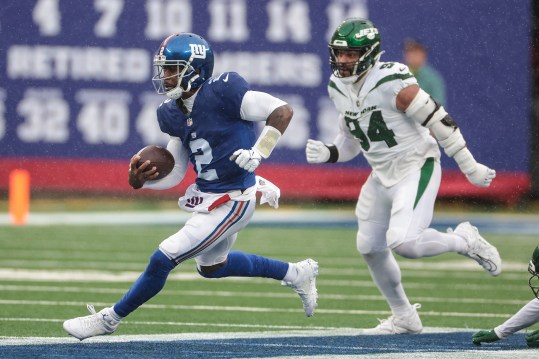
[192, 58]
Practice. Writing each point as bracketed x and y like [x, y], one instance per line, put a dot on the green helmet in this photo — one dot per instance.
[359, 35]
[533, 268]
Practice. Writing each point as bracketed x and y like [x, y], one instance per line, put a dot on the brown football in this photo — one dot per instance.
[159, 157]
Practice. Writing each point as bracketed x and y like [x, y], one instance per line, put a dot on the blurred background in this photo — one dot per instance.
[76, 99]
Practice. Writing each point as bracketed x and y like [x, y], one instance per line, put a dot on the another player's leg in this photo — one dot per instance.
[409, 232]
[374, 211]
[301, 276]
[106, 321]
[479, 249]
[199, 232]
[387, 275]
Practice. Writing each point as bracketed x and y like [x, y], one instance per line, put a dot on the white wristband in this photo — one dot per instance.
[267, 141]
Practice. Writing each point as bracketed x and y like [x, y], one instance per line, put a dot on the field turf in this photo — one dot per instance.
[49, 273]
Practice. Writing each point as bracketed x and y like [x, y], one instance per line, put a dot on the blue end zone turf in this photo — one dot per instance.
[446, 345]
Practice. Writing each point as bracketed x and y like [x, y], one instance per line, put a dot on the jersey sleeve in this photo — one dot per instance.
[230, 87]
[394, 77]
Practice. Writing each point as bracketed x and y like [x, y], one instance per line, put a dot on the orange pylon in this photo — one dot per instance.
[19, 196]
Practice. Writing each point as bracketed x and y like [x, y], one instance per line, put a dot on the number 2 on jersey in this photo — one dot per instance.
[203, 156]
[377, 131]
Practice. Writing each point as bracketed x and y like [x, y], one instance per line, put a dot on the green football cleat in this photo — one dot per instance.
[485, 336]
[532, 339]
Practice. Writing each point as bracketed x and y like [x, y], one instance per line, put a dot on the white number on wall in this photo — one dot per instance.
[167, 17]
[104, 122]
[47, 17]
[110, 12]
[45, 119]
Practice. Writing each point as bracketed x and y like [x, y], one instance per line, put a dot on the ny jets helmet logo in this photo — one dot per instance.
[198, 51]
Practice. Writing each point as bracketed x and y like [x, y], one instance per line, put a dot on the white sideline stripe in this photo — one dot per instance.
[325, 332]
[494, 222]
[10, 274]
[251, 309]
[287, 294]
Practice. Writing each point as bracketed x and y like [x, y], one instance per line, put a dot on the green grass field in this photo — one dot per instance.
[49, 273]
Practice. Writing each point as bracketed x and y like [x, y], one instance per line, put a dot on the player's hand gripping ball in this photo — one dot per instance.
[159, 157]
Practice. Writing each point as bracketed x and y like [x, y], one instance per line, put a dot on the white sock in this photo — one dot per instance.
[402, 310]
[292, 273]
[114, 315]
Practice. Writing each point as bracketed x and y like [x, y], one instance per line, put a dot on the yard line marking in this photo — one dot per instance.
[34, 275]
[190, 324]
[286, 295]
[252, 309]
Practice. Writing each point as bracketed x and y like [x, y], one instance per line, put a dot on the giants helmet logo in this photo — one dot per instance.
[198, 51]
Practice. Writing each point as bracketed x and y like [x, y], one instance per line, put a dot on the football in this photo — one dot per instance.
[159, 157]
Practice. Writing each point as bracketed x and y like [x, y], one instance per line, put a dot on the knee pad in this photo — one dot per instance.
[160, 264]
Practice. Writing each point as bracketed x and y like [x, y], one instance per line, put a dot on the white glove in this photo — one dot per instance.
[249, 160]
[482, 176]
[316, 152]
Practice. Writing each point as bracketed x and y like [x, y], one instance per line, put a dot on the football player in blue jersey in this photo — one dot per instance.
[211, 123]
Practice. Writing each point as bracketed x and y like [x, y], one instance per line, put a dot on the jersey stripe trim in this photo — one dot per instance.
[391, 78]
[236, 214]
[334, 86]
[424, 179]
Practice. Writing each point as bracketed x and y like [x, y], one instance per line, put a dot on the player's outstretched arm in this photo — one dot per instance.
[277, 115]
[419, 106]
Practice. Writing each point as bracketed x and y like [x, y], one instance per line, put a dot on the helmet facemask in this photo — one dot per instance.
[533, 268]
[364, 63]
[183, 72]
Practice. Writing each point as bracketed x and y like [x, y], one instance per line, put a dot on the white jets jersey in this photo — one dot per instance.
[393, 144]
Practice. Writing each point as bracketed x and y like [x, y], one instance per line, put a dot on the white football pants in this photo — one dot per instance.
[208, 237]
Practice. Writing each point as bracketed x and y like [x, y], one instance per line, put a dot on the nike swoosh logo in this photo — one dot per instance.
[226, 78]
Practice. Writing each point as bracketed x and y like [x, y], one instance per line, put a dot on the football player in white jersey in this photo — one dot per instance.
[211, 123]
[527, 316]
[397, 126]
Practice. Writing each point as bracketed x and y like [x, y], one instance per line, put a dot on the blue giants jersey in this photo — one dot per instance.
[212, 132]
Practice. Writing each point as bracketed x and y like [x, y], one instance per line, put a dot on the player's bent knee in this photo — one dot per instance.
[214, 271]
[408, 250]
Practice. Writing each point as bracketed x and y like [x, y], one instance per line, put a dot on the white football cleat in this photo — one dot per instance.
[100, 323]
[408, 324]
[479, 249]
[305, 285]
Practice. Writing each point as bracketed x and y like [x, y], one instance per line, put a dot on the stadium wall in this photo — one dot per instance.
[76, 99]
